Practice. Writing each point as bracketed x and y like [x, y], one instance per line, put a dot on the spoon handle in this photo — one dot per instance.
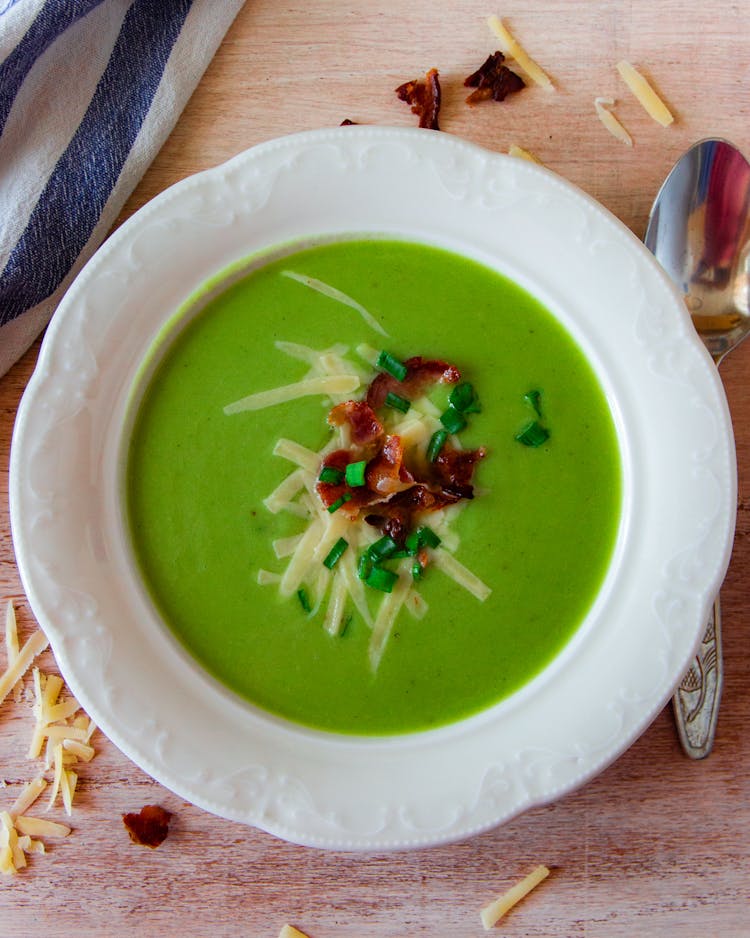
[696, 700]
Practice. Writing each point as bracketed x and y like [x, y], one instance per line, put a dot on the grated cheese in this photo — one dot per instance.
[327, 384]
[513, 49]
[300, 455]
[335, 611]
[461, 574]
[334, 294]
[29, 794]
[647, 97]
[289, 931]
[514, 150]
[305, 353]
[494, 911]
[609, 120]
[368, 354]
[285, 546]
[268, 578]
[283, 494]
[33, 646]
[40, 827]
[386, 616]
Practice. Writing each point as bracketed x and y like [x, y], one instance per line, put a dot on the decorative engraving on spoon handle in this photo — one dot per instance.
[696, 700]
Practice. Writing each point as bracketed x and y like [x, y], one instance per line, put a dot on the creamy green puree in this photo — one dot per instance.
[540, 532]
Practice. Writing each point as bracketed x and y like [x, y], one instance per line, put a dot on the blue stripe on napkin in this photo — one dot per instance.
[80, 184]
[51, 21]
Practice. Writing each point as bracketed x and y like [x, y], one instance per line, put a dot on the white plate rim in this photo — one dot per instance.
[313, 788]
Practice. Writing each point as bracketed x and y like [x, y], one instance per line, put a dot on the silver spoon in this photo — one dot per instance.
[699, 231]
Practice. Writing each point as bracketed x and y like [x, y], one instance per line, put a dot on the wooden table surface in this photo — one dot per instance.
[656, 845]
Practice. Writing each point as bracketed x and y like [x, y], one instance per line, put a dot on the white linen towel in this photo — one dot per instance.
[89, 92]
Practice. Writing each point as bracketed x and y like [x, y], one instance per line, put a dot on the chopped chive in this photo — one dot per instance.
[437, 442]
[364, 566]
[304, 601]
[330, 474]
[421, 537]
[346, 497]
[452, 420]
[417, 571]
[397, 402]
[399, 555]
[392, 365]
[381, 579]
[355, 473]
[428, 538]
[412, 542]
[334, 554]
[382, 548]
[533, 434]
[534, 398]
[464, 399]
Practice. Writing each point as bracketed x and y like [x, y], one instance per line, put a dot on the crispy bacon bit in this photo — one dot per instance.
[394, 490]
[454, 469]
[149, 826]
[387, 474]
[365, 426]
[424, 98]
[493, 80]
[347, 123]
[420, 374]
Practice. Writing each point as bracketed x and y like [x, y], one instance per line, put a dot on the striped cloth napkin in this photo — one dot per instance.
[89, 91]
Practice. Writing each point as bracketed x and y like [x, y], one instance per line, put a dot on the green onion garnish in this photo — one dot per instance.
[330, 474]
[464, 399]
[534, 398]
[392, 365]
[334, 555]
[437, 442]
[397, 402]
[412, 542]
[428, 538]
[421, 537]
[382, 548]
[533, 434]
[364, 566]
[355, 473]
[304, 601]
[416, 570]
[381, 579]
[346, 497]
[452, 420]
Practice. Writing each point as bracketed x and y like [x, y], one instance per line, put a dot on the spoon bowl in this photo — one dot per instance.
[699, 231]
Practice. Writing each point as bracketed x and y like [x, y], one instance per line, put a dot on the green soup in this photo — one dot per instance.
[540, 531]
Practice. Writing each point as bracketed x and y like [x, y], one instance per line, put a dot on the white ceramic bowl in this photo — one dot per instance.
[199, 740]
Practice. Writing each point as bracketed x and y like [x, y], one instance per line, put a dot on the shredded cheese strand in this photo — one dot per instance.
[327, 384]
[647, 97]
[298, 454]
[461, 574]
[609, 120]
[513, 49]
[334, 294]
[522, 154]
[386, 616]
[29, 794]
[34, 646]
[494, 911]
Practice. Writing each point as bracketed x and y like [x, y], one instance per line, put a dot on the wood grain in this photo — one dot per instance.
[656, 845]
